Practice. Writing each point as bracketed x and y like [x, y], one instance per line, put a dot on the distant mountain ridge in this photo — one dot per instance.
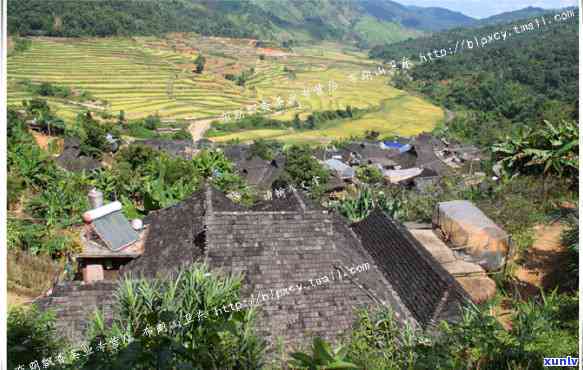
[364, 23]
[420, 18]
[528, 12]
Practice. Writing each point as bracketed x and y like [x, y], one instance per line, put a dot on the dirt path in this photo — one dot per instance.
[449, 115]
[198, 128]
[86, 105]
[545, 262]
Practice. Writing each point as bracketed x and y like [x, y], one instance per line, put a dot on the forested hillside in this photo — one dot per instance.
[506, 17]
[518, 81]
[366, 22]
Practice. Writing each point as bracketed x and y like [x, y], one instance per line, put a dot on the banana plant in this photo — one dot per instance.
[323, 357]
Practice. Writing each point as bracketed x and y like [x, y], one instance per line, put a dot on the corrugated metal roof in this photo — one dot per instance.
[343, 170]
[115, 230]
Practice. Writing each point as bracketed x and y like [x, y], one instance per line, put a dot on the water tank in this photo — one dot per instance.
[95, 198]
[137, 224]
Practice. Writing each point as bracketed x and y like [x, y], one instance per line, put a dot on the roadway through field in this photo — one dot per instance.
[198, 127]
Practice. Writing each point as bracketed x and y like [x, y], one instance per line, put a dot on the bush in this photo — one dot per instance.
[152, 122]
[94, 136]
[182, 135]
[31, 336]
[370, 174]
[213, 334]
[570, 240]
[22, 44]
[48, 89]
[264, 149]
[15, 186]
[304, 169]
[199, 63]
[547, 327]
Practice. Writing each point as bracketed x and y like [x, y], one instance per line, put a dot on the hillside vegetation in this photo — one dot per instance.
[521, 81]
[271, 20]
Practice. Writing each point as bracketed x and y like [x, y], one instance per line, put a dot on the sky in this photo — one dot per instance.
[486, 8]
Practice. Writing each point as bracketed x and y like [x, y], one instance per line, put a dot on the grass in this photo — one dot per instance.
[29, 276]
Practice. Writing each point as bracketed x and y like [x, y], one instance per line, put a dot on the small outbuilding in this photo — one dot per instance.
[466, 227]
[344, 171]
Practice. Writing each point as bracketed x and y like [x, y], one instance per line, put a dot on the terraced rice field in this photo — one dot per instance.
[401, 115]
[147, 75]
[132, 78]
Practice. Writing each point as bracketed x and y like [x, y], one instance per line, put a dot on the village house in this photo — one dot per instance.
[108, 239]
[72, 160]
[277, 243]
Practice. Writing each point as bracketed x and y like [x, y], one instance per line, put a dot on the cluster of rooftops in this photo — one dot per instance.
[274, 244]
[418, 162]
[281, 241]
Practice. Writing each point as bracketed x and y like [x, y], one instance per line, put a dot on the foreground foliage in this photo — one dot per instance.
[31, 336]
[177, 322]
[545, 327]
[552, 149]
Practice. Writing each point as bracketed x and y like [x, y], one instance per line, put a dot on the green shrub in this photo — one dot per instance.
[213, 334]
[31, 336]
[369, 174]
[304, 169]
[182, 135]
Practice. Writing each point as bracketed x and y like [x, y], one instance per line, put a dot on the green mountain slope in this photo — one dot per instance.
[504, 85]
[529, 12]
[362, 22]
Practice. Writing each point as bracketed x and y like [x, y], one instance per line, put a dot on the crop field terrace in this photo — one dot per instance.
[148, 75]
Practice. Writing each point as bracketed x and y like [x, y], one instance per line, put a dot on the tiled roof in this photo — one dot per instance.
[173, 240]
[424, 145]
[74, 303]
[260, 173]
[178, 148]
[277, 247]
[430, 293]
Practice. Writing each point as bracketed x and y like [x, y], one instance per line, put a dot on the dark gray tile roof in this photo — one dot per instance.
[260, 173]
[275, 249]
[430, 293]
[74, 303]
[236, 152]
[178, 148]
[173, 239]
[424, 145]
[72, 160]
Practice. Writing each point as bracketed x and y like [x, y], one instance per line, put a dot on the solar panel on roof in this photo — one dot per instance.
[115, 230]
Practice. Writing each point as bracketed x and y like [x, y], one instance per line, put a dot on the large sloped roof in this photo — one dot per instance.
[430, 293]
[275, 250]
[424, 145]
[298, 243]
[173, 239]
